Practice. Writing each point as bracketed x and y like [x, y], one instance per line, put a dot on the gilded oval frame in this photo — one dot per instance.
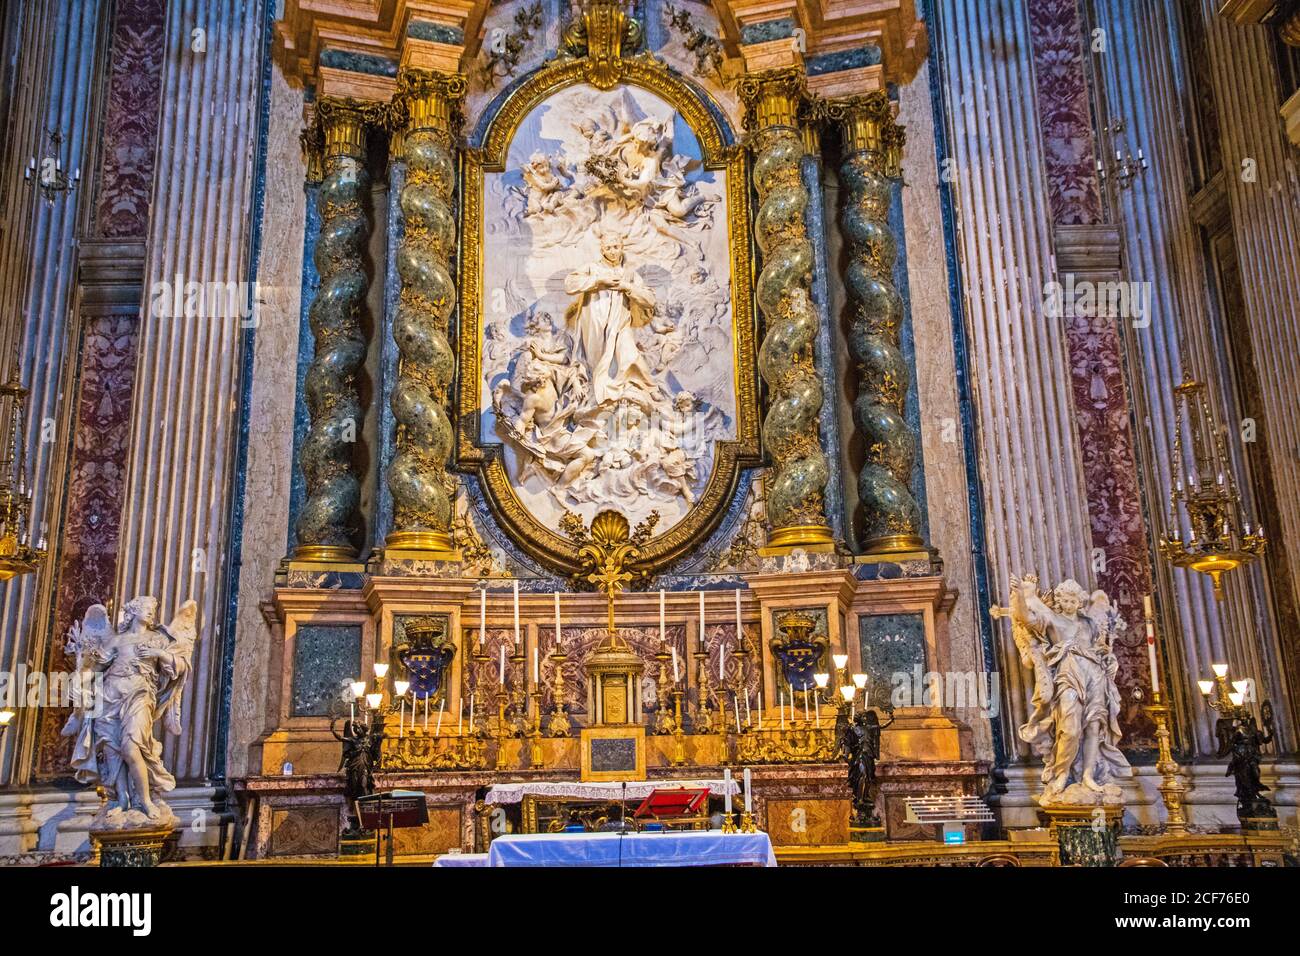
[732, 457]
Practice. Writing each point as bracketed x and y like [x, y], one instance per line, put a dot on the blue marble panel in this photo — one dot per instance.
[890, 644]
[358, 62]
[324, 657]
[435, 32]
[855, 59]
[766, 31]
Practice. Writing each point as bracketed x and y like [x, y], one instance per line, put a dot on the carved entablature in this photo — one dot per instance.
[606, 320]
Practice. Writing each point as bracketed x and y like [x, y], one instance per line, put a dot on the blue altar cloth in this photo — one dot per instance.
[671, 848]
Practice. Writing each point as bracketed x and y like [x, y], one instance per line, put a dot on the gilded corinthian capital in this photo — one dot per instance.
[795, 486]
[427, 110]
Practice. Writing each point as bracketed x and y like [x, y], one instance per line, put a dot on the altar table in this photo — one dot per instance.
[668, 848]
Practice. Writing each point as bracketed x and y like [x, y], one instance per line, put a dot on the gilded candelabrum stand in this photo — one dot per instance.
[559, 723]
[1171, 786]
[703, 721]
[664, 722]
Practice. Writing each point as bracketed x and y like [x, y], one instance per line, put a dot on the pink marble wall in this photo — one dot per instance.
[1101, 407]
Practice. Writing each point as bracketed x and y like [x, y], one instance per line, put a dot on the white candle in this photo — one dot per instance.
[482, 616]
[557, 619]
[1151, 644]
[783, 710]
[516, 612]
[805, 706]
[426, 712]
[536, 672]
[722, 661]
[676, 678]
[735, 705]
[749, 792]
[662, 634]
[460, 718]
[747, 705]
[726, 789]
[501, 670]
[401, 716]
[442, 709]
[739, 632]
[471, 713]
[701, 620]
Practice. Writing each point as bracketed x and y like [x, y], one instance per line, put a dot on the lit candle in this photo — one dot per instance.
[783, 710]
[482, 616]
[1151, 644]
[557, 619]
[805, 706]
[726, 789]
[701, 620]
[501, 670]
[517, 639]
[749, 792]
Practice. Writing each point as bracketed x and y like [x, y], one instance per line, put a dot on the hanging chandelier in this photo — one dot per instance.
[18, 555]
[1203, 498]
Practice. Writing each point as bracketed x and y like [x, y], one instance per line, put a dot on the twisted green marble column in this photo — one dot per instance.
[795, 486]
[872, 153]
[417, 477]
[327, 526]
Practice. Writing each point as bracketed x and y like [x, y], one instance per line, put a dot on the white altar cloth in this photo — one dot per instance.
[637, 790]
[669, 848]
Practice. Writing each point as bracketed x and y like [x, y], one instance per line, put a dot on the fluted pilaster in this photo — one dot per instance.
[795, 487]
[328, 524]
[417, 477]
[873, 145]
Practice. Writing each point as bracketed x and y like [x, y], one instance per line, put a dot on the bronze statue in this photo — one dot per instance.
[1241, 740]
[859, 744]
[362, 745]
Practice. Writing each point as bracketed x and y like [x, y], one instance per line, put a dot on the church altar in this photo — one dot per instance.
[681, 848]
[634, 791]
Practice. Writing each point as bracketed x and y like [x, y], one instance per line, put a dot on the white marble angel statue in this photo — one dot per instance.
[144, 667]
[1074, 724]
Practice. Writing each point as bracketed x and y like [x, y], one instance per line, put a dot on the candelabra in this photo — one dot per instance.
[479, 720]
[664, 723]
[679, 735]
[1171, 786]
[703, 722]
[518, 698]
[50, 175]
[18, 554]
[1126, 167]
[1241, 740]
[559, 723]
[536, 753]
[1219, 535]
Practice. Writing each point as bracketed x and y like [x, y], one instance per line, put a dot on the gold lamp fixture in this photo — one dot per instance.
[18, 554]
[1204, 500]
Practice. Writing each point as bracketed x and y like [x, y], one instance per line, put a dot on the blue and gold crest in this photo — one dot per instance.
[425, 655]
[798, 650]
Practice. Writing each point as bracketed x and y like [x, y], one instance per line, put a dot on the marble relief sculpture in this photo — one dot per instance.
[608, 219]
[143, 666]
[1067, 639]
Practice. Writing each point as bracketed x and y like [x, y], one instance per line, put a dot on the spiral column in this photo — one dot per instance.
[795, 486]
[417, 478]
[328, 524]
[873, 149]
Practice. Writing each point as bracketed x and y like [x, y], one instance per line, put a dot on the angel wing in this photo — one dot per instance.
[184, 632]
[90, 633]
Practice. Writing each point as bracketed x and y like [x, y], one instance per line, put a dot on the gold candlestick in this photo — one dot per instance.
[664, 723]
[703, 723]
[679, 736]
[536, 754]
[1171, 786]
[501, 733]
[518, 698]
[559, 722]
[747, 823]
